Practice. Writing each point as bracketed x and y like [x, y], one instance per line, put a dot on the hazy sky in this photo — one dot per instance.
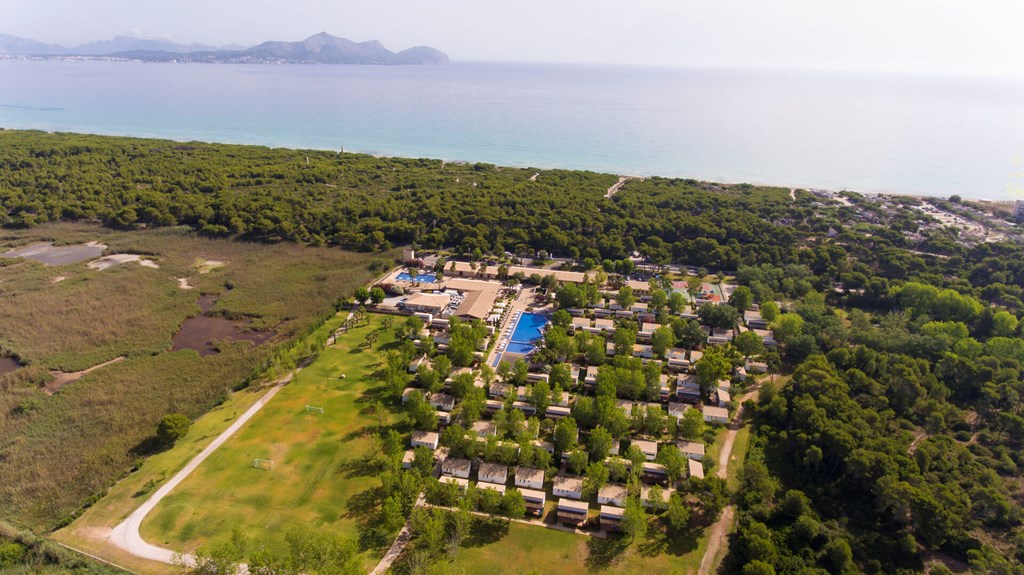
[926, 35]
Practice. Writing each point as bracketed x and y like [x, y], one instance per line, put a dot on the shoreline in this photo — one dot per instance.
[344, 150]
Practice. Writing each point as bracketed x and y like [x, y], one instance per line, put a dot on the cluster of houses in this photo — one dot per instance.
[679, 393]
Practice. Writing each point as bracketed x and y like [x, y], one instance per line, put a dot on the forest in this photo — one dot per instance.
[893, 440]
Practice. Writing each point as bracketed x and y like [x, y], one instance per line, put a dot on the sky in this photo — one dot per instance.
[930, 36]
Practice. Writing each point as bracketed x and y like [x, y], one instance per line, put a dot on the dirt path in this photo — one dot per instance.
[792, 194]
[921, 436]
[399, 543]
[716, 537]
[719, 532]
[62, 378]
[126, 534]
[618, 185]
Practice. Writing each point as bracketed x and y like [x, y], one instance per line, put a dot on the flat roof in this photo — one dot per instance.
[425, 436]
[690, 447]
[567, 483]
[420, 299]
[715, 411]
[565, 504]
[612, 511]
[455, 464]
[529, 473]
[613, 491]
[696, 469]
[533, 494]
[493, 469]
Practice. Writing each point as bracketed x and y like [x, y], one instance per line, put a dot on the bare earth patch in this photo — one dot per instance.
[52, 255]
[116, 259]
[183, 283]
[62, 378]
[58, 279]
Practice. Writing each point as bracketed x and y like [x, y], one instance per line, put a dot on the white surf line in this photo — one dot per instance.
[126, 534]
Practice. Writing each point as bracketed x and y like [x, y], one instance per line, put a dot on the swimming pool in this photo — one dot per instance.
[528, 329]
[421, 278]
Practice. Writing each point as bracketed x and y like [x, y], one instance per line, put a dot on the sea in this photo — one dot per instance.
[865, 132]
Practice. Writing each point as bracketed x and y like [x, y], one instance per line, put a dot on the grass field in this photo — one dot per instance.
[319, 478]
[516, 549]
[67, 448]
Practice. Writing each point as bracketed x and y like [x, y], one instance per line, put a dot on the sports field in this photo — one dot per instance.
[318, 478]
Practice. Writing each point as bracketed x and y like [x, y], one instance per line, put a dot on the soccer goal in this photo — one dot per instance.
[266, 464]
[314, 409]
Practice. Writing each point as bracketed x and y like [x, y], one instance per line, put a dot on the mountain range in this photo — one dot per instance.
[321, 48]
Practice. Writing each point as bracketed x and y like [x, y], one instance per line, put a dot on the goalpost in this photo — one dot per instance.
[265, 464]
[314, 409]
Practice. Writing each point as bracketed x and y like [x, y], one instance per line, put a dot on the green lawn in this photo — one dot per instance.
[318, 479]
[498, 547]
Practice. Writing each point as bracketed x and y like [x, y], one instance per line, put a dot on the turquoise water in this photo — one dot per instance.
[869, 133]
[528, 329]
[421, 278]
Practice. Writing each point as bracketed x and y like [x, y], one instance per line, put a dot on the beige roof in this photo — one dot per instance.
[611, 511]
[491, 469]
[433, 300]
[713, 411]
[691, 447]
[471, 285]
[645, 446]
[529, 474]
[571, 505]
[567, 483]
[613, 491]
[696, 469]
[477, 305]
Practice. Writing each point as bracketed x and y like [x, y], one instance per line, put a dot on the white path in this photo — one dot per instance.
[126, 534]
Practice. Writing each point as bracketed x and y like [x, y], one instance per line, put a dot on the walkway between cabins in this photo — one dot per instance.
[719, 532]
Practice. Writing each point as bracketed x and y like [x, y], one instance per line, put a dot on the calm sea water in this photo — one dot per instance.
[869, 133]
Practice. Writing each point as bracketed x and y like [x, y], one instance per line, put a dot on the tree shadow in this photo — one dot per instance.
[365, 466]
[148, 446]
[603, 553]
[486, 531]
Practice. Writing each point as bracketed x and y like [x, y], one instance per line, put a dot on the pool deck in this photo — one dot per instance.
[519, 305]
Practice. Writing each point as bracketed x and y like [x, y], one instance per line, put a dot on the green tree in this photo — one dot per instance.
[710, 368]
[625, 297]
[599, 443]
[376, 295]
[749, 343]
[741, 298]
[362, 295]
[513, 505]
[596, 477]
[691, 425]
[565, 434]
[787, 327]
[172, 427]
[634, 520]
[769, 311]
[677, 514]
[662, 339]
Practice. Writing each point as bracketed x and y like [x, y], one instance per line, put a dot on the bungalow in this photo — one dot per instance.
[407, 458]
[695, 356]
[648, 448]
[766, 336]
[607, 325]
[715, 414]
[591, 377]
[687, 388]
[665, 391]
[613, 494]
[677, 359]
[654, 472]
[494, 405]
[724, 384]
[576, 311]
[442, 401]
[545, 445]
[567, 486]
[416, 364]
[645, 495]
[609, 348]
[574, 512]
[522, 393]
[574, 374]
[723, 398]
[696, 469]
[580, 323]
[411, 390]
[459, 481]
[753, 319]
[528, 409]
[557, 412]
[625, 405]
[641, 350]
[689, 312]
[529, 477]
[602, 312]
[492, 486]
[677, 410]
[493, 473]
[438, 322]
[638, 307]
[484, 428]
[623, 314]
[741, 373]
[538, 377]
[424, 438]
[425, 317]
[611, 517]
[720, 336]
[647, 331]
[756, 366]
[534, 500]
[444, 417]
[456, 467]
[691, 449]
[500, 389]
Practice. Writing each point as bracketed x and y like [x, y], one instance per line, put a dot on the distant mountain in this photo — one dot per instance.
[23, 46]
[321, 48]
[128, 43]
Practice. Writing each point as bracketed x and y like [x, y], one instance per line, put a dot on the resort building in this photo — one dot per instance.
[432, 303]
[613, 494]
[462, 483]
[611, 517]
[695, 468]
[715, 414]
[691, 449]
[648, 448]
[534, 500]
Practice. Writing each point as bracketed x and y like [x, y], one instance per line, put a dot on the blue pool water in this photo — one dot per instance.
[421, 278]
[528, 330]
